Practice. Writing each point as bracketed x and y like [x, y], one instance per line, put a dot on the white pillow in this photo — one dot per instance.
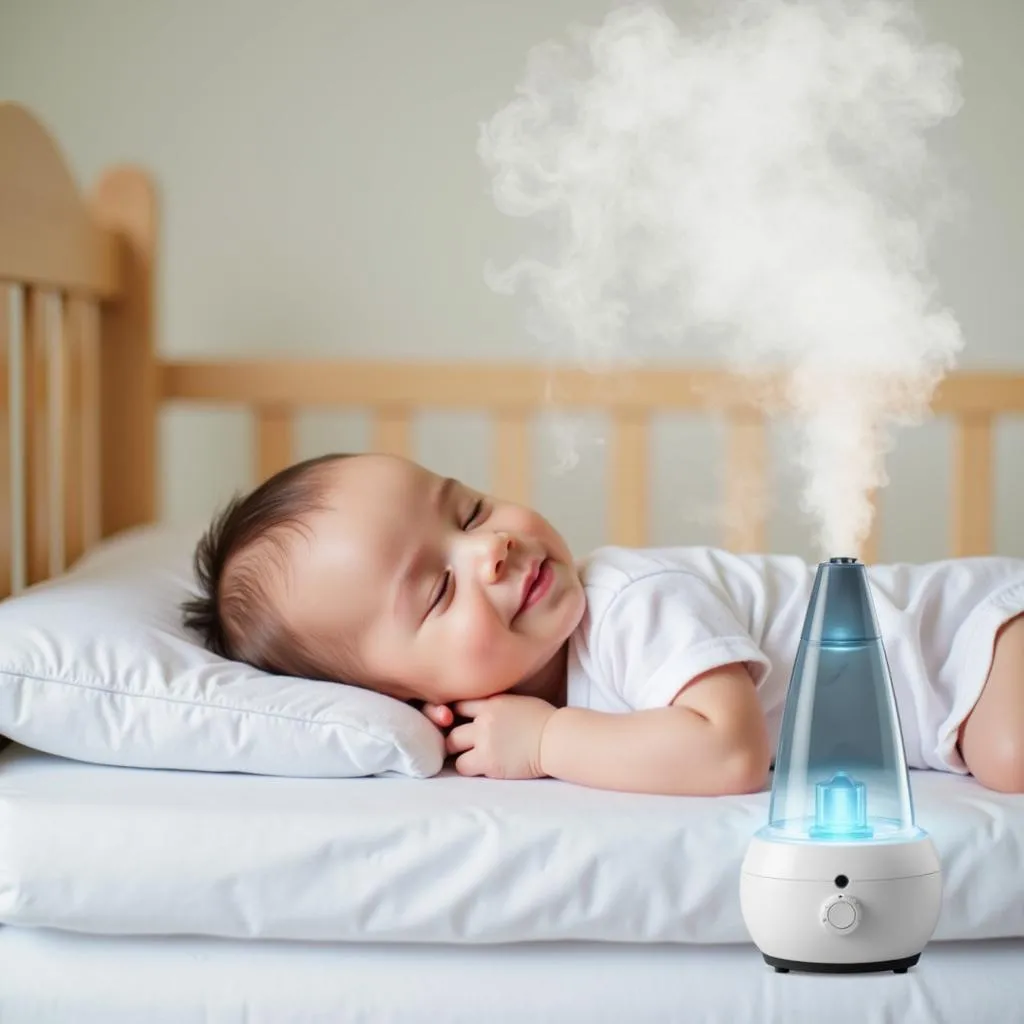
[95, 665]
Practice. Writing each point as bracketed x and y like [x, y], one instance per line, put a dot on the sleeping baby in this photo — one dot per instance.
[653, 670]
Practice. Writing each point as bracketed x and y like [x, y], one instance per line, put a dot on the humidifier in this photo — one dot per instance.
[841, 879]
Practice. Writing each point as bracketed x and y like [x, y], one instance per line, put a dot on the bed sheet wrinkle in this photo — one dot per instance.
[443, 860]
[426, 860]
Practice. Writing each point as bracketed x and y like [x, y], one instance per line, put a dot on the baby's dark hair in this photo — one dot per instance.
[233, 612]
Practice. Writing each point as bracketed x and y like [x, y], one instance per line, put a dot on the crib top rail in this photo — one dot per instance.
[306, 383]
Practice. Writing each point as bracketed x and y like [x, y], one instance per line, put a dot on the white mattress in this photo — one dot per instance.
[98, 849]
[58, 978]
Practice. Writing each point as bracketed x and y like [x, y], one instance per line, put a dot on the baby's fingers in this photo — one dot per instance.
[440, 714]
[459, 739]
[468, 764]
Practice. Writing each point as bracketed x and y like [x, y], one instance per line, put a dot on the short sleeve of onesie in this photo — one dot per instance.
[662, 630]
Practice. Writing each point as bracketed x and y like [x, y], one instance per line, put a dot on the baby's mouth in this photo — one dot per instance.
[536, 583]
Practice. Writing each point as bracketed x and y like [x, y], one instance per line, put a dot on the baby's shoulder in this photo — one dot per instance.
[611, 568]
[610, 572]
[616, 581]
[614, 563]
[687, 578]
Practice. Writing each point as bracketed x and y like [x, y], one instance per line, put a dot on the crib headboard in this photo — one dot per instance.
[79, 395]
[83, 384]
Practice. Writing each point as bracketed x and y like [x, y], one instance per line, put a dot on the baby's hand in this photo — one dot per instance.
[503, 739]
[440, 714]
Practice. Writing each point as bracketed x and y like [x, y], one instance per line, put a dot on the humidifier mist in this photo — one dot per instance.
[841, 878]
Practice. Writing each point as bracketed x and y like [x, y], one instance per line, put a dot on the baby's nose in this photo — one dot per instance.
[496, 556]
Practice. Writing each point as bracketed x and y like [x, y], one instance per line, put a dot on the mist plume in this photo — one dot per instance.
[759, 178]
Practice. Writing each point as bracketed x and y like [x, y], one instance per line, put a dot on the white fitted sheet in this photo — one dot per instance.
[57, 978]
[107, 850]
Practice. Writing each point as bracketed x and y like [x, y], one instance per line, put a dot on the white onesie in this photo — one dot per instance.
[657, 618]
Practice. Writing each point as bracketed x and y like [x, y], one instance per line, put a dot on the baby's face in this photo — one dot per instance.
[440, 593]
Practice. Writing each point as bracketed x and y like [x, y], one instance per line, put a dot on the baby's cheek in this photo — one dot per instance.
[481, 641]
[486, 647]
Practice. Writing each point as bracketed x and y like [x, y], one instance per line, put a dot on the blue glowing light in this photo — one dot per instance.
[841, 809]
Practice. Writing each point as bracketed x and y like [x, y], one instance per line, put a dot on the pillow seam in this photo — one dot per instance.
[191, 703]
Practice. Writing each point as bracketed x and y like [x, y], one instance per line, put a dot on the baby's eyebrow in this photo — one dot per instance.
[444, 491]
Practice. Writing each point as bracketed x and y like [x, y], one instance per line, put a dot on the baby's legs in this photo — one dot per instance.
[992, 735]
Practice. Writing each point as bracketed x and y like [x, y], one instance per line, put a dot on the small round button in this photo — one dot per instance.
[839, 914]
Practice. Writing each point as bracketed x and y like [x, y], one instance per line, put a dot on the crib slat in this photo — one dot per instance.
[71, 429]
[76, 316]
[37, 463]
[391, 431]
[90, 386]
[274, 440]
[56, 424]
[972, 486]
[6, 493]
[512, 457]
[746, 490]
[628, 493]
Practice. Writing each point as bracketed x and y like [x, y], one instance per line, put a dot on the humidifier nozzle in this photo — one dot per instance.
[840, 609]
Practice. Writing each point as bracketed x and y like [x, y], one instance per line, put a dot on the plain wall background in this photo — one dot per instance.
[322, 195]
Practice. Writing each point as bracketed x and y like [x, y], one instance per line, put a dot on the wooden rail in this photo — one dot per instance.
[514, 395]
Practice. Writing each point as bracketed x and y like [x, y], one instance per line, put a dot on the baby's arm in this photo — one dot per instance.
[712, 740]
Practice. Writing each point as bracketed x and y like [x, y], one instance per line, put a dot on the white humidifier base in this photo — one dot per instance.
[837, 907]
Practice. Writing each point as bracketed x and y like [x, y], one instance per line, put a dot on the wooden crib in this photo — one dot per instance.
[84, 383]
[83, 386]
